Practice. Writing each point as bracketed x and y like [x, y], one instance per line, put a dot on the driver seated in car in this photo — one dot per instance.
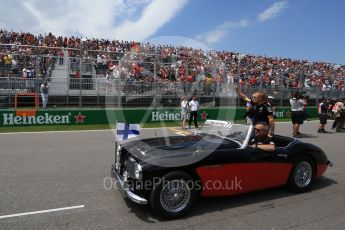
[261, 139]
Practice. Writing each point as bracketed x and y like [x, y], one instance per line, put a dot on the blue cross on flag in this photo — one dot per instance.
[126, 131]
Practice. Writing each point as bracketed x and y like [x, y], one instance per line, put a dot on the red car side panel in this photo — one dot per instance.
[321, 168]
[265, 175]
[220, 180]
[231, 179]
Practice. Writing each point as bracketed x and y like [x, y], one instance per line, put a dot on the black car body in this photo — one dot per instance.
[170, 173]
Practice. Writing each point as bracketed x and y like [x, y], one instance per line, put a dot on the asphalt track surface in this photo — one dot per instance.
[59, 176]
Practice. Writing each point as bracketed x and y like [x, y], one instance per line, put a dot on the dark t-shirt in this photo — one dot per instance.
[250, 110]
[261, 141]
[323, 108]
[261, 112]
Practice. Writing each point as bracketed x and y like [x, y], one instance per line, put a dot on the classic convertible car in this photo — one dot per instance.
[170, 173]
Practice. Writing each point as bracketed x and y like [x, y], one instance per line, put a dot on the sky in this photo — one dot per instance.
[300, 29]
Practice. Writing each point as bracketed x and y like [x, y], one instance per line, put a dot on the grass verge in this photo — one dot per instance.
[52, 128]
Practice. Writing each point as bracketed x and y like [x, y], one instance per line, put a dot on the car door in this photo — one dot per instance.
[265, 170]
[222, 175]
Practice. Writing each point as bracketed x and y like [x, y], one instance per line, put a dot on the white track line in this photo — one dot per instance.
[42, 211]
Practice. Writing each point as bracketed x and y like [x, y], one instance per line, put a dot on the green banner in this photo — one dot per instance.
[138, 115]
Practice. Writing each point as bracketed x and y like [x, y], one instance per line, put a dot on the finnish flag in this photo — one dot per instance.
[126, 131]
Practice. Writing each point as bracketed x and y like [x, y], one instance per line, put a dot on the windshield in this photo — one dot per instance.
[236, 132]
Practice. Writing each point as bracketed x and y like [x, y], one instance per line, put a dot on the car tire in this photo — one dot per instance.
[302, 174]
[174, 196]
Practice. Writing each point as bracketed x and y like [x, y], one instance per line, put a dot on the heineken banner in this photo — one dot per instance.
[138, 115]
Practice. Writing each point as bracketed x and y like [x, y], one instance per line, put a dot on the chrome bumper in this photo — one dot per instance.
[126, 190]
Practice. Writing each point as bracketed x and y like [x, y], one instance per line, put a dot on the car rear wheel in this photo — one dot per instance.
[174, 195]
[302, 174]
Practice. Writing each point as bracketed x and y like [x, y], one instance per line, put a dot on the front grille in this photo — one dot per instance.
[130, 167]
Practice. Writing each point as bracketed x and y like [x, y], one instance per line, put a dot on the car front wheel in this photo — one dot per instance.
[302, 174]
[174, 195]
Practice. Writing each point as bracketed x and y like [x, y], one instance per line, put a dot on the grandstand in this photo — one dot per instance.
[85, 72]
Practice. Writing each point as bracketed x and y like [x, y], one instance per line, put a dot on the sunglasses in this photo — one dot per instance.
[255, 129]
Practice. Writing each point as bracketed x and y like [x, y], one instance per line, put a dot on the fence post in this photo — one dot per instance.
[214, 93]
[154, 102]
[282, 92]
[68, 80]
[96, 85]
[36, 66]
[119, 82]
[80, 80]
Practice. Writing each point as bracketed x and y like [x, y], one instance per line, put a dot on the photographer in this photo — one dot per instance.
[305, 97]
[298, 103]
[323, 109]
[338, 111]
[331, 114]
[270, 101]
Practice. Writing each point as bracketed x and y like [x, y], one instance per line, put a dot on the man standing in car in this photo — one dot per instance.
[262, 111]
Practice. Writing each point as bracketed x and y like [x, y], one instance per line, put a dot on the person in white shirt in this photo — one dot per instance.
[44, 93]
[194, 107]
[184, 108]
[297, 113]
[108, 82]
[326, 88]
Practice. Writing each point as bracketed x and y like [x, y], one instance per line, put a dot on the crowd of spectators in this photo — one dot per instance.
[21, 58]
[139, 62]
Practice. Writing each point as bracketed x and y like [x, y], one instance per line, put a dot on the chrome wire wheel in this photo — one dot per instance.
[175, 196]
[303, 174]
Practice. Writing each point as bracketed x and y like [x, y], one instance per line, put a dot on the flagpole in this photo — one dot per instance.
[113, 166]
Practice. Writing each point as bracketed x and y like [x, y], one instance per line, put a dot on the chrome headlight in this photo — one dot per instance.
[117, 157]
[138, 171]
[125, 176]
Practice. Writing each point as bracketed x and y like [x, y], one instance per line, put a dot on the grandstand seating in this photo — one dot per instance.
[97, 67]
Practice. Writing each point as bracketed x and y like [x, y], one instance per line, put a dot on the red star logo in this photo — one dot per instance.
[79, 118]
[204, 115]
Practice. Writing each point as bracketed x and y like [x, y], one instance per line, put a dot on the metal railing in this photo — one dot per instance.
[86, 92]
